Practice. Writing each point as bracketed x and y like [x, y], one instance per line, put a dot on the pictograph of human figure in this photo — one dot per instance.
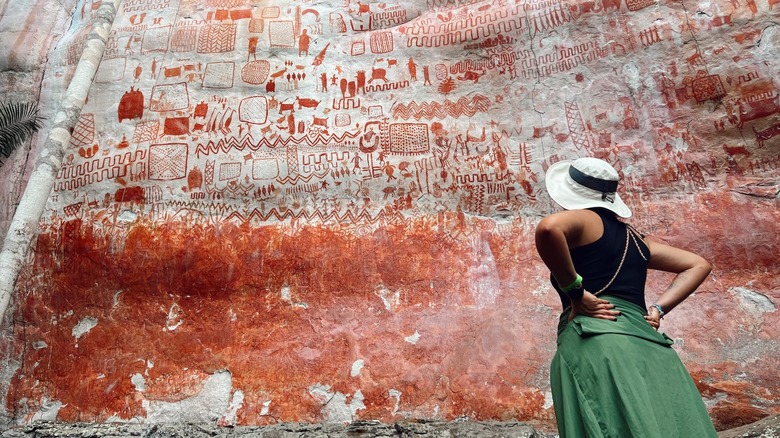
[129, 46]
[303, 43]
[356, 161]
[389, 171]
[412, 69]
[324, 81]
[361, 81]
[252, 48]
[426, 76]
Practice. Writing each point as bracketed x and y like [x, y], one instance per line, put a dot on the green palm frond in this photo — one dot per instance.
[18, 122]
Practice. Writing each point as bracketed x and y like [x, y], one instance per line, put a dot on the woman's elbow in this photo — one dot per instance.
[704, 266]
[546, 231]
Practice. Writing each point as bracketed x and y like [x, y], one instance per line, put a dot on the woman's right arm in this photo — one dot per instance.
[554, 235]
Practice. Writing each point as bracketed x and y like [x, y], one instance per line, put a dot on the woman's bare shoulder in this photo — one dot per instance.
[579, 226]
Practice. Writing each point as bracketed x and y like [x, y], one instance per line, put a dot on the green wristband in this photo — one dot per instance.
[576, 284]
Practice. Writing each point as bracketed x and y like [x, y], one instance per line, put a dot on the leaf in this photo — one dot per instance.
[18, 122]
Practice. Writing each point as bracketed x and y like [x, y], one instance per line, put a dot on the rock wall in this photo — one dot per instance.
[324, 211]
[29, 32]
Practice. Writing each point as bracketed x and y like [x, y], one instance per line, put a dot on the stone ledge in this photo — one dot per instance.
[283, 430]
[766, 428]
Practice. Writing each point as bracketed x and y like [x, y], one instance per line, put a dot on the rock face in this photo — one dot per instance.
[296, 211]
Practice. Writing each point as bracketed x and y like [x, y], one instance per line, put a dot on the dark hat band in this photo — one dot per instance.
[597, 184]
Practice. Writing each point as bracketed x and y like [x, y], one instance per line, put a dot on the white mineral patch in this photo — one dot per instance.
[117, 299]
[390, 299]
[48, 412]
[287, 296]
[335, 408]
[753, 302]
[632, 77]
[412, 339]
[139, 382]
[396, 394]
[231, 416]
[174, 318]
[356, 367]
[209, 405]
[266, 407]
[548, 401]
[85, 325]
[286, 293]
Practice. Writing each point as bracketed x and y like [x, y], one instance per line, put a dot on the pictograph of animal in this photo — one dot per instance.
[174, 72]
[286, 107]
[471, 75]
[765, 134]
[735, 150]
[363, 9]
[540, 132]
[378, 74]
[745, 111]
[307, 103]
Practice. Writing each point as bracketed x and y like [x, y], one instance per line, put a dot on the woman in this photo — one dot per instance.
[614, 374]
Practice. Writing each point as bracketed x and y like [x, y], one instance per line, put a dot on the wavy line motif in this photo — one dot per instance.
[301, 178]
[347, 217]
[200, 206]
[247, 142]
[441, 110]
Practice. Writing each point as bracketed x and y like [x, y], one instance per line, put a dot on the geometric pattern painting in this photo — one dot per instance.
[217, 38]
[253, 109]
[707, 88]
[156, 39]
[281, 33]
[184, 38]
[409, 138]
[229, 171]
[255, 72]
[219, 75]
[168, 161]
[84, 132]
[169, 97]
[265, 168]
[146, 130]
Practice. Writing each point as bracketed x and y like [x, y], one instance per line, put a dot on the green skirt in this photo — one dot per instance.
[622, 379]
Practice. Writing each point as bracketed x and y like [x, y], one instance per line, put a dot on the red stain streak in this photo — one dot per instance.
[226, 286]
[177, 302]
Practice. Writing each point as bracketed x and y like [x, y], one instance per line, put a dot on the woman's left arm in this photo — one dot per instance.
[691, 270]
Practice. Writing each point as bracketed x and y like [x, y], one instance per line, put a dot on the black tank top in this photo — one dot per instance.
[598, 261]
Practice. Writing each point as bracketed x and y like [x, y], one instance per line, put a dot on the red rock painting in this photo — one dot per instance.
[323, 211]
[131, 106]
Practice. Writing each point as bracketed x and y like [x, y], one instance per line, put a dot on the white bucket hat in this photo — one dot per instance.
[585, 183]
